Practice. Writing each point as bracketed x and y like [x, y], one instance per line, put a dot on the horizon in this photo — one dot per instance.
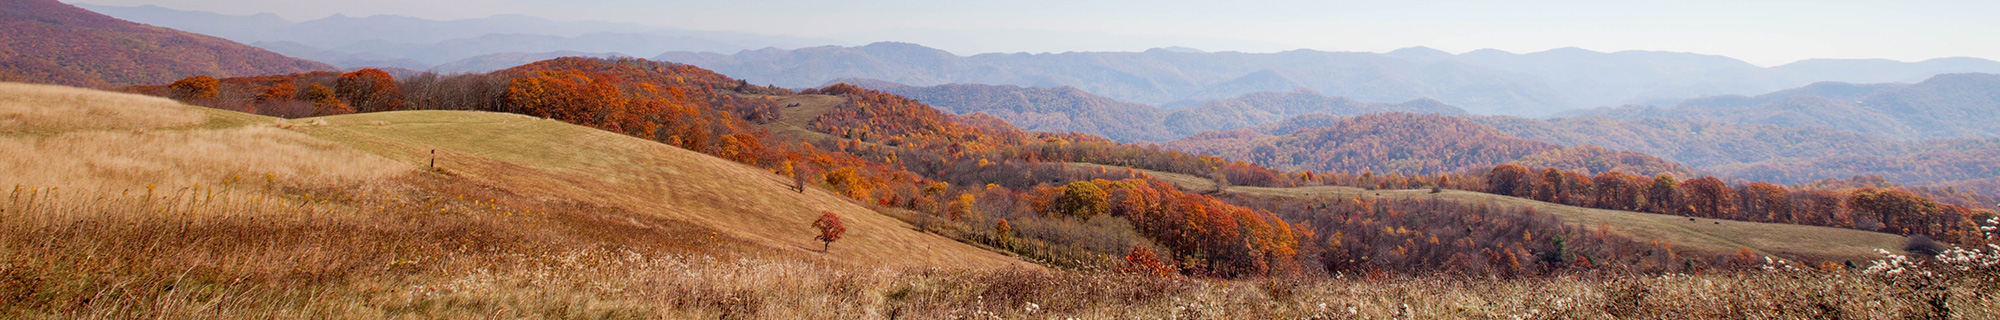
[1754, 33]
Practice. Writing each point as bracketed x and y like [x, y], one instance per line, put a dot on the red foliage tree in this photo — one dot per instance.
[1142, 261]
[830, 229]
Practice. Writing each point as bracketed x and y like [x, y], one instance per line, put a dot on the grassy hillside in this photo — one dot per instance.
[1710, 235]
[546, 158]
[172, 210]
[126, 206]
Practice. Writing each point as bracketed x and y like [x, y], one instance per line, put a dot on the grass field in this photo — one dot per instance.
[796, 112]
[544, 158]
[204, 213]
[1709, 235]
[207, 214]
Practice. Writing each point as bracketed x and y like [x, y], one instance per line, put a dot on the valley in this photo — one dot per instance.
[1698, 235]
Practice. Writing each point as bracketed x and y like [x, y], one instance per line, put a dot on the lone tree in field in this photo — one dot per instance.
[830, 229]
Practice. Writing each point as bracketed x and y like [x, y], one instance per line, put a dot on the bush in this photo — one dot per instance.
[1923, 245]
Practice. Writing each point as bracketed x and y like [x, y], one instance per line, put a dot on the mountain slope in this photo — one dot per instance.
[1760, 152]
[1267, 107]
[51, 42]
[1061, 109]
[1402, 143]
[500, 61]
[1944, 106]
[647, 178]
[1410, 144]
[1068, 109]
[613, 178]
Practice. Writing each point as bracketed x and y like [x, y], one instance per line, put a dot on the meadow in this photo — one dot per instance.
[119, 206]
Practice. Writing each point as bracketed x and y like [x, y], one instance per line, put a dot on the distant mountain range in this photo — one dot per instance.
[46, 41]
[1483, 82]
[1944, 106]
[420, 44]
[1432, 144]
[1761, 152]
[1068, 109]
[1401, 143]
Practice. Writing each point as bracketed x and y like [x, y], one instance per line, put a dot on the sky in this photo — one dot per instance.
[1764, 33]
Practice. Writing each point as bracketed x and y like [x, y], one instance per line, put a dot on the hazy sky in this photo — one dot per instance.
[1761, 32]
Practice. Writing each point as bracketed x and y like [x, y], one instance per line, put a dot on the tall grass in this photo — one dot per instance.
[108, 161]
[31, 108]
[444, 250]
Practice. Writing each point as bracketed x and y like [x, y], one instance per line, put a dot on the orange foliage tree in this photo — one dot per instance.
[370, 90]
[1144, 262]
[195, 88]
[324, 102]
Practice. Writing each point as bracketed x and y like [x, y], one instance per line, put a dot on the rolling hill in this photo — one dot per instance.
[47, 41]
[341, 216]
[1943, 106]
[1385, 143]
[1068, 109]
[1061, 109]
[1762, 152]
[646, 178]
[1783, 240]
[606, 177]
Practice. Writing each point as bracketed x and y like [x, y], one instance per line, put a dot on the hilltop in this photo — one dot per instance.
[1068, 109]
[47, 41]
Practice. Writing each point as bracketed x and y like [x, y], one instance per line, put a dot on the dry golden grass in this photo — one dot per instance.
[545, 158]
[34, 108]
[796, 121]
[516, 226]
[1704, 235]
[111, 161]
